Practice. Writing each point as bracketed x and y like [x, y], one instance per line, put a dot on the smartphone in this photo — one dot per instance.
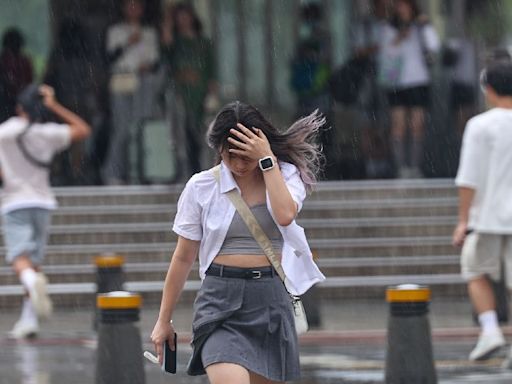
[169, 358]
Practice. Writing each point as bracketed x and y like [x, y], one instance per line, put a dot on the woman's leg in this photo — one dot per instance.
[398, 127]
[417, 137]
[228, 373]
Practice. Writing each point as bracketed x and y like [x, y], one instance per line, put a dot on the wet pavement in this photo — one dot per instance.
[350, 347]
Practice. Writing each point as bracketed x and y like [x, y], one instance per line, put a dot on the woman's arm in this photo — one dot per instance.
[182, 260]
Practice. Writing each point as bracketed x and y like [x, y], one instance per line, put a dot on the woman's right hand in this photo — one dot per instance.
[163, 331]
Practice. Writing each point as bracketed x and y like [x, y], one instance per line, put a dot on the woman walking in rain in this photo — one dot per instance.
[243, 327]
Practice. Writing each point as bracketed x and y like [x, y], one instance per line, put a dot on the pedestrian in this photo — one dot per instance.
[132, 52]
[407, 44]
[243, 327]
[189, 57]
[15, 71]
[484, 180]
[28, 143]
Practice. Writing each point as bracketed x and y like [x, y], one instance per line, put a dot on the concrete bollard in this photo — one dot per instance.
[409, 358]
[119, 353]
[109, 277]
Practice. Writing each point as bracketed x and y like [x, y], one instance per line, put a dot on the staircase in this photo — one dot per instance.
[367, 235]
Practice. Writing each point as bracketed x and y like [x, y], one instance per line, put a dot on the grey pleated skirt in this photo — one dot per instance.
[246, 322]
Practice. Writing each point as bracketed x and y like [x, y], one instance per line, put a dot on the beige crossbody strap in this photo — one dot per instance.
[254, 227]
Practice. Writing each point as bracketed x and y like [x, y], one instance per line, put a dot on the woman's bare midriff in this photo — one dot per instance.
[243, 261]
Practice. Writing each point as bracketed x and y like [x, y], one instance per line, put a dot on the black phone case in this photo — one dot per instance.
[170, 357]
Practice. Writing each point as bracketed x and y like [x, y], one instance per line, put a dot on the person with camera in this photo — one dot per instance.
[28, 142]
[407, 45]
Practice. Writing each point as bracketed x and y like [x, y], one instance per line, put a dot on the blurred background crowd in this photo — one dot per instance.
[397, 79]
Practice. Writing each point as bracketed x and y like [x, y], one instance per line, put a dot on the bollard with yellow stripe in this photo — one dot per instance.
[408, 293]
[119, 352]
[409, 357]
[109, 260]
[118, 306]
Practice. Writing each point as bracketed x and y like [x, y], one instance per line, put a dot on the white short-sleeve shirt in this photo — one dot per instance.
[25, 184]
[486, 166]
[145, 51]
[413, 69]
[205, 213]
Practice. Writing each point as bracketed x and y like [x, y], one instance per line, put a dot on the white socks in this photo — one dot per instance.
[28, 278]
[489, 322]
[28, 313]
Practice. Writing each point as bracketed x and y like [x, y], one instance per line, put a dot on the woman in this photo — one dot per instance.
[243, 326]
[189, 56]
[405, 55]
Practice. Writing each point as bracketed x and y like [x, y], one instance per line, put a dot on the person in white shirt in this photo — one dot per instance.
[28, 143]
[484, 179]
[132, 52]
[243, 310]
[407, 45]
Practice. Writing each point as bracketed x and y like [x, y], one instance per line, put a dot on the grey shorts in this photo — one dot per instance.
[245, 322]
[25, 233]
[483, 254]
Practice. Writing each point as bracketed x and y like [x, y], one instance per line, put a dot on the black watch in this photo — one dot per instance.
[266, 163]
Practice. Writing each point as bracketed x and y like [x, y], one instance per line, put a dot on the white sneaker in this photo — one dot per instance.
[487, 344]
[39, 297]
[24, 329]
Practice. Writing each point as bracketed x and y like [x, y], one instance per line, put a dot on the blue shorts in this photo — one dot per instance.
[26, 233]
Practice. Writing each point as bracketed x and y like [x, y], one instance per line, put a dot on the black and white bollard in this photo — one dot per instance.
[119, 353]
[409, 348]
[109, 277]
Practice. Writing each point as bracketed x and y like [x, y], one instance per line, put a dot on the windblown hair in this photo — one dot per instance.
[297, 145]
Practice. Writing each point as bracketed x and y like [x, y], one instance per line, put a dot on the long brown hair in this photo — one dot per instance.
[297, 145]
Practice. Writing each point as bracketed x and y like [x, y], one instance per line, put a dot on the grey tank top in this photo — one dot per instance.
[239, 239]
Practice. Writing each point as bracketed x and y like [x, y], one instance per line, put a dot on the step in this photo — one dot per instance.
[142, 213]
[82, 294]
[315, 229]
[114, 214]
[360, 208]
[118, 195]
[330, 267]
[326, 249]
[379, 189]
[345, 190]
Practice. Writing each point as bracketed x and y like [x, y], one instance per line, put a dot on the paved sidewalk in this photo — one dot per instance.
[350, 347]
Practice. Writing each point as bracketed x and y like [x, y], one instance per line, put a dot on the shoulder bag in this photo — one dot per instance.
[301, 322]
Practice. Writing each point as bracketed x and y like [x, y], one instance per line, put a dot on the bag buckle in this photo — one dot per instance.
[256, 274]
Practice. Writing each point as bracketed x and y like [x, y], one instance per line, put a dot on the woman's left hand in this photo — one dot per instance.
[253, 143]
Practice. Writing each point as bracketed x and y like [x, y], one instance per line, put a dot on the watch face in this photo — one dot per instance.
[266, 163]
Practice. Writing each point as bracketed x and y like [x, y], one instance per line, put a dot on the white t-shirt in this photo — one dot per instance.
[486, 166]
[145, 51]
[205, 213]
[26, 185]
[406, 59]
